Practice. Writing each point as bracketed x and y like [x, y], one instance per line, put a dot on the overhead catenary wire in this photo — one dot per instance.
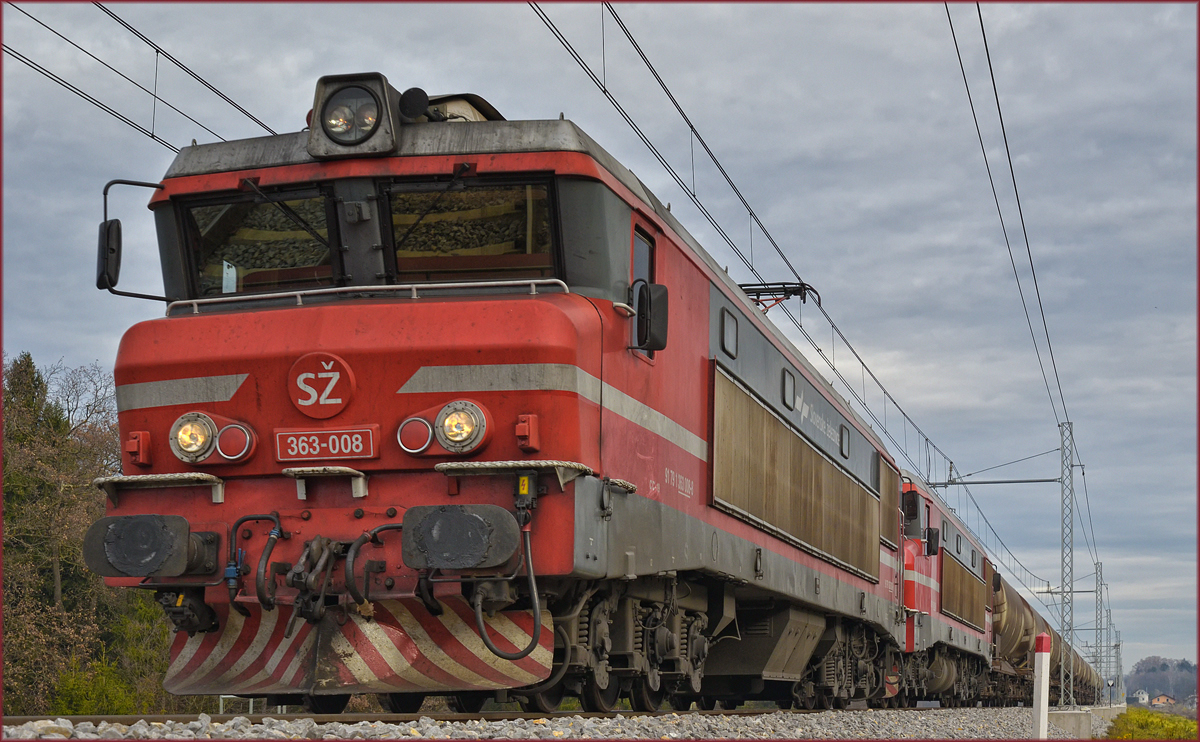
[89, 98]
[1000, 213]
[182, 66]
[1010, 463]
[1062, 401]
[114, 69]
[1020, 212]
[778, 250]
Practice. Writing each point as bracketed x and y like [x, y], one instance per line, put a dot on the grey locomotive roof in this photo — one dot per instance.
[476, 138]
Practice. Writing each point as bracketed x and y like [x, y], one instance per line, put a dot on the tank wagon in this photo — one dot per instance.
[448, 404]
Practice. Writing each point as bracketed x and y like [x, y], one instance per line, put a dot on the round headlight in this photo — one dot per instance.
[339, 120]
[460, 426]
[366, 116]
[351, 115]
[193, 437]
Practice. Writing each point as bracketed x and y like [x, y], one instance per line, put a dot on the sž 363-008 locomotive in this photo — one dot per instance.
[449, 404]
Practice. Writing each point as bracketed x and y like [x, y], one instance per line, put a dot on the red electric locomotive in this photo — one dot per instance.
[448, 404]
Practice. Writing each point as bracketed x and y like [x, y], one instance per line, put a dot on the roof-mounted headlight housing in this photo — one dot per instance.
[360, 115]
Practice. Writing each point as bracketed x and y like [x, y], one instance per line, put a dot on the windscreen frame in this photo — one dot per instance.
[191, 246]
[425, 184]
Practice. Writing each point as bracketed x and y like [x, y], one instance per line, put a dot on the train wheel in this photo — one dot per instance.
[706, 703]
[807, 702]
[545, 702]
[468, 703]
[401, 703]
[326, 704]
[840, 703]
[643, 698]
[600, 700]
[825, 701]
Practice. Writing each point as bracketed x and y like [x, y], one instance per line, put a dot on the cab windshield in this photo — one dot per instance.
[471, 232]
[254, 245]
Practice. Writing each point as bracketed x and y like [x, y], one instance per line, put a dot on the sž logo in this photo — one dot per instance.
[320, 385]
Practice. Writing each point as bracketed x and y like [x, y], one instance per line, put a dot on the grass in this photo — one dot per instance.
[1139, 723]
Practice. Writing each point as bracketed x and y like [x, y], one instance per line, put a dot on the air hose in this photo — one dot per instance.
[537, 612]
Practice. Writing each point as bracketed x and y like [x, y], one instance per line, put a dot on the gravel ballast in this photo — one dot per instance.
[979, 723]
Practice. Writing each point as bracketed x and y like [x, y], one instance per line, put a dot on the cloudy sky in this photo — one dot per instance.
[846, 127]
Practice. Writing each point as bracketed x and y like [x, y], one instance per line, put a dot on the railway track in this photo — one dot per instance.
[386, 718]
[747, 723]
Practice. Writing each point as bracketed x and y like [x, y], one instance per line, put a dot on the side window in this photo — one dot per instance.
[643, 270]
[729, 333]
[972, 558]
[789, 390]
[958, 543]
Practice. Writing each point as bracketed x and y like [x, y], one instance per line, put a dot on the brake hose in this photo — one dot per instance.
[537, 613]
[233, 570]
[352, 555]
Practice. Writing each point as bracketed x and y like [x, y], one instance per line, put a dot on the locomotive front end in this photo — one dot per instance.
[352, 451]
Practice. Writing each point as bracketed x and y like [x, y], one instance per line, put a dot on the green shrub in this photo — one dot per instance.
[97, 689]
[1142, 724]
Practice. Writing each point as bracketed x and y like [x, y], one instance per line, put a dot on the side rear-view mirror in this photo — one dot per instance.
[651, 316]
[108, 254]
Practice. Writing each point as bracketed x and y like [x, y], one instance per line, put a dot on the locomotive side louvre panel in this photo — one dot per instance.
[963, 595]
[889, 503]
[756, 363]
[765, 472]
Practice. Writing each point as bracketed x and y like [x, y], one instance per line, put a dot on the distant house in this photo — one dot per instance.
[1142, 697]
[1162, 700]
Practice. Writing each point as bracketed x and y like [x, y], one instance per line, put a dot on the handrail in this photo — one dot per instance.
[299, 295]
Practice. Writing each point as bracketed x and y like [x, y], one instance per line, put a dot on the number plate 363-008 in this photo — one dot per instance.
[360, 442]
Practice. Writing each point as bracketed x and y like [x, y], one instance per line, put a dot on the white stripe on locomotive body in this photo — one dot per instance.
[887, 559]
[560, 377]
[193, 390]
[923, 580]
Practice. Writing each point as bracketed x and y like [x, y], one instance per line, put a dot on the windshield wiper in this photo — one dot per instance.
[458, 171]
[289, 212]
